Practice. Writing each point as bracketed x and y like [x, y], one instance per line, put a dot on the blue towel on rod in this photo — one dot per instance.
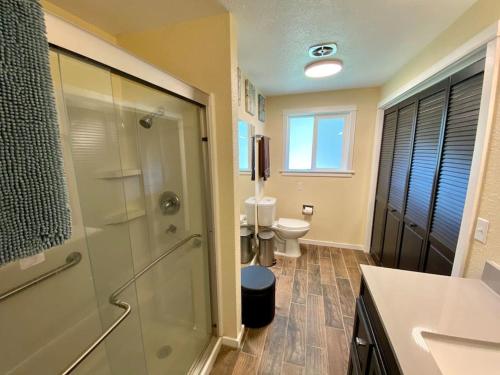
[34, 210]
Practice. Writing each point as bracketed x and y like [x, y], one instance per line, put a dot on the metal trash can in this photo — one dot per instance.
[266, 248]
[246, 237]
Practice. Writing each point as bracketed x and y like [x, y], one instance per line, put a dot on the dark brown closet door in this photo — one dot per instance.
[454, 170]
[384, 177]
[430, 116]
[397, 187]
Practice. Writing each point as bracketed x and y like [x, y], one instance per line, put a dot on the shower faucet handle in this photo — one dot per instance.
[169, 203]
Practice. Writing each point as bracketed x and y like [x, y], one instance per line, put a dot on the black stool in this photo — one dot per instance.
[258, 286]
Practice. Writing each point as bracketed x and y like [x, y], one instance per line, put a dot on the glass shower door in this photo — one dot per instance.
[160, 143]
[138, 163]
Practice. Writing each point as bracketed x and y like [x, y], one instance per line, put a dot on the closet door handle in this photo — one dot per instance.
[360, 342]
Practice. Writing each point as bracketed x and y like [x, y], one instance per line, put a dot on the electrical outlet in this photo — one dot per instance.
[481, 230]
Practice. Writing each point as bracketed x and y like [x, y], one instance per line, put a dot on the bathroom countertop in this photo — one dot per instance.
[410, 303]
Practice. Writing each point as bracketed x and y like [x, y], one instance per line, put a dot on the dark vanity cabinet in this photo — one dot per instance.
[370, 350]
[424, 166]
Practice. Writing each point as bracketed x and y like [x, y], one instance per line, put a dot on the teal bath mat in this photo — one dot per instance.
[34, 211]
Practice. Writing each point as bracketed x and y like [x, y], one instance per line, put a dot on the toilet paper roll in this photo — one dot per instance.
[307, 211]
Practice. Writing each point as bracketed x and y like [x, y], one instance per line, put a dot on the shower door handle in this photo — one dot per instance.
[113, 299]
[126, 311]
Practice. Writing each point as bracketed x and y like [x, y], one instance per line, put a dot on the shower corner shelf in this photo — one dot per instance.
[124, 217]
[119, 173]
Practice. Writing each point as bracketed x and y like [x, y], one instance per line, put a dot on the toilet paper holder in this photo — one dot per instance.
[307, 209]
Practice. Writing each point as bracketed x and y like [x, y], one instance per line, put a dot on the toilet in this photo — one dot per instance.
[287, 230]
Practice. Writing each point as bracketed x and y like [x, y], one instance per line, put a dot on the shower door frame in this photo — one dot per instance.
[71, 40]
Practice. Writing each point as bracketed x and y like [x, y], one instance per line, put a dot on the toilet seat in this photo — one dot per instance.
[292, 224]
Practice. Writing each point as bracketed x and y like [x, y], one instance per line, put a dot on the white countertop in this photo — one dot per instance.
[411, 302]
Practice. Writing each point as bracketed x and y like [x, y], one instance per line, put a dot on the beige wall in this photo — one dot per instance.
[482, 14]
[478, 17]
[340, 203]
[69, 17]
[202, 53]
[247, 187]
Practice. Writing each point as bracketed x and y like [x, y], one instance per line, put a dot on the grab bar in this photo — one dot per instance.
[113, 299]
[123, 305]
[150, 265]
[71, 260]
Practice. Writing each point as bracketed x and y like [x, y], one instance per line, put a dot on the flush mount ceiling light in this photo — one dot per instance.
[323, 68]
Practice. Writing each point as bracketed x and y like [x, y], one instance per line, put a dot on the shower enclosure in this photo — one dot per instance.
[135, 168]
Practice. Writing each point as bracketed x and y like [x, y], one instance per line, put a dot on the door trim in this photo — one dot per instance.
[484, 44]
[74, 39]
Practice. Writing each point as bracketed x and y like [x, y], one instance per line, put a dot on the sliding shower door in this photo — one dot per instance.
[137, 156]
[160, 143]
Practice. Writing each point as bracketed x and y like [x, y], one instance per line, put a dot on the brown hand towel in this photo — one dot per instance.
[264, 158]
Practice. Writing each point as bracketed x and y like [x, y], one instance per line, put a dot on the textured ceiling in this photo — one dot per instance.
[125, 16]
[375, 38]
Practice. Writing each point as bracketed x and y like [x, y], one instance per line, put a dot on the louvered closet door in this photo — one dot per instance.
[397, 186]
[458, 147]
[384, 176]
[430, 114]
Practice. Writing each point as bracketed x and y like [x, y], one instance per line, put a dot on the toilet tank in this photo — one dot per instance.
[250, 210]
[266, 211]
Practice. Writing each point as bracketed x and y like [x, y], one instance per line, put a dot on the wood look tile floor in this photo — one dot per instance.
[315, 304]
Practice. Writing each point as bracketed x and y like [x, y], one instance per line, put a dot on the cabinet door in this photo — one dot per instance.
[430, 116]
[454, 169]
[375, 368]
[384, 176]
[398, 183]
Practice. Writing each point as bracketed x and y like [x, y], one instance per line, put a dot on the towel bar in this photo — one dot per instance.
[113, 299]
[71, 260]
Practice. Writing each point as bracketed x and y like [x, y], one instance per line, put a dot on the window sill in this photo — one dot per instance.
[318, 173]
[245, 173]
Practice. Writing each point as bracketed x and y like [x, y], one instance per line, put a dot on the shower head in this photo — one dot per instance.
[147, 121]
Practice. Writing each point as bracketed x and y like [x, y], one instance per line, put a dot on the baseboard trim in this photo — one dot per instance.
[333, 244]
[234, 342]
[209, 364]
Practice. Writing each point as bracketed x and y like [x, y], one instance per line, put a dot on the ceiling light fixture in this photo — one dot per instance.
[323, 68]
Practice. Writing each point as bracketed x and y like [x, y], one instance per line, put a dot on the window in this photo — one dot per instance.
[244, 148]
[319, 141]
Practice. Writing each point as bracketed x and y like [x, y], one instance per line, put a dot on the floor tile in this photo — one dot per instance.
[315, 321]
[333, 313]
[272, 356]
[314, 280]
[246, 364]
[254, 341]
[289, 369]
[316, 362]
[299, 293]
[284, 295]
[337, 351]
[312, 254]
[347, 301]
[295, 345]
[313, 325]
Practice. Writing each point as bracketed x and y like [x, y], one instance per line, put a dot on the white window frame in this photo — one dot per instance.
[349, 114]
[249, 156]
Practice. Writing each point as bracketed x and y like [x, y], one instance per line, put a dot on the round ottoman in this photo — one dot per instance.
[258, 287]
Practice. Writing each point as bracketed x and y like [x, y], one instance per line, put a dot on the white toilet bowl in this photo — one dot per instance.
[290, 230]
